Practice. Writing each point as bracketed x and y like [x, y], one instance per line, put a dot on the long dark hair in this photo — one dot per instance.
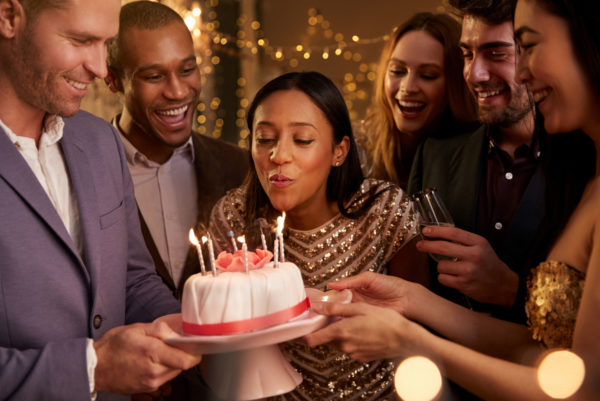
[344, 180]
[569, 179]
[583, 19]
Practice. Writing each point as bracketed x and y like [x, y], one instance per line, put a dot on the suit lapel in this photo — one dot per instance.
[82, 185]
[17, 173]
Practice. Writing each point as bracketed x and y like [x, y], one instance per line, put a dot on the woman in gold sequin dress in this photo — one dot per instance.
[338, 224]
[560, 60]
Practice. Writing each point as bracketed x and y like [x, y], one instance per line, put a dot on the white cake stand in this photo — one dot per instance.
[250, 366]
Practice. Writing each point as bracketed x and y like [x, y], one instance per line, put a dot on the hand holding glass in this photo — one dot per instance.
[432, 212]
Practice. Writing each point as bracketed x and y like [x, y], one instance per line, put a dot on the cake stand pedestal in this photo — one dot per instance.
[250, 366]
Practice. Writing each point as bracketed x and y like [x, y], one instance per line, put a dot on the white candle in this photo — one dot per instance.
[276, 252]
[194, 241]
[263, 240]
[231, 236]
[211, 256]
[280, 222]
[242, 239]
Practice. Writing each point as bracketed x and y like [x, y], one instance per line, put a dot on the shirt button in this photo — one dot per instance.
[97, 321]
[508, 176]
[498, 226]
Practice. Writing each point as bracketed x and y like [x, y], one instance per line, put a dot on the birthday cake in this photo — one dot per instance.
[235, 301]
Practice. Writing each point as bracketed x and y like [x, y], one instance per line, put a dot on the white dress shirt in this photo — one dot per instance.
[167, 196]
[48, 165]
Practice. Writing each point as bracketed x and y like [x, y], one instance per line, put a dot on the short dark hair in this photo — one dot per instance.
[583, 20]
[344, 180]
[492, 12]
[142, 15]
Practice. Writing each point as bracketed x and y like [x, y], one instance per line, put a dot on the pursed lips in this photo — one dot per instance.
[279, 180]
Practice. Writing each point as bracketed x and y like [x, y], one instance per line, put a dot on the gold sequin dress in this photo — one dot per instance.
[553, 294]
[339, 248]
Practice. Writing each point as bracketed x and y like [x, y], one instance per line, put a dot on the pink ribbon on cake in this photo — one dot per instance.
[242, 326]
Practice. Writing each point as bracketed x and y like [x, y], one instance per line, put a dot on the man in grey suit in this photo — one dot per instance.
[73, 265]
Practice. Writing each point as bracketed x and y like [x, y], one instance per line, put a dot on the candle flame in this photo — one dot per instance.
[241, 239]
[204, 239]
[193, 238]
[280, 221]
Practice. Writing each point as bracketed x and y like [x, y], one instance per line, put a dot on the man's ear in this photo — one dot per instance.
[113, 81]
[12, 18]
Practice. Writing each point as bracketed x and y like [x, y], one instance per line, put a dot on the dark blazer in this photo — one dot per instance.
[220, 166]
[52, 298]
[455, 166]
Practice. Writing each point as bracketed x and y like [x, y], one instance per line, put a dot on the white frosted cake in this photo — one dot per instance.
[236, 302]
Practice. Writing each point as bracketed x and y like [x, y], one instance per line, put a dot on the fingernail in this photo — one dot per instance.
[426, 230]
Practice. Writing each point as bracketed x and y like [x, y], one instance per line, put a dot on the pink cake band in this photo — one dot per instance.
[242, 326]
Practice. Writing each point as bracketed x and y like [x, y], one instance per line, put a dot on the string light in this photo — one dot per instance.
[204, 26]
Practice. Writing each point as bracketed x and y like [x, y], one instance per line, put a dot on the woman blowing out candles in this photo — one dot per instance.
[559, 60]
[338, 224]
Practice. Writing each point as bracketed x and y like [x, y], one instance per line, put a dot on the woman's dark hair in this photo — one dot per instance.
[344, 180]
[583, 19]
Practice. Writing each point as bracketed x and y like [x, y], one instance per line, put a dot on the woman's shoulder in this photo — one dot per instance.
[377, 193]
[232, 205]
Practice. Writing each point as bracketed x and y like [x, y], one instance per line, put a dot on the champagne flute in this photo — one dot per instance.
[432, 212]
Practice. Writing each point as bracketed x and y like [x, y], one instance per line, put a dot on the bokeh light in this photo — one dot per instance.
[418, 379]
[560, 374]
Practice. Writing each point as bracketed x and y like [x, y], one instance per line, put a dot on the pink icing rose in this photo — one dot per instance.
[235, 262]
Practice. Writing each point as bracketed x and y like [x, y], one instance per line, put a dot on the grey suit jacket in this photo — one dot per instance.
[52, 298]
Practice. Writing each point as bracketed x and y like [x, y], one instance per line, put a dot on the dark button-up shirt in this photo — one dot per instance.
[502, 187]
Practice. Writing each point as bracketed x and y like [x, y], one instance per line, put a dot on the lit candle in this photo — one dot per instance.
[280, 222]
[231, 237]
[194, 241]
[211, 255]
[276, 252]
[264, 241]
[242, 240]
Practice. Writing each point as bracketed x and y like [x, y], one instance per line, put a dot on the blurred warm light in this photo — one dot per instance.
[306, 55]
[190, 22]
[325, 55]
[278, 54]
[196, 12]
[418, 379]
[560, 374]
[355, 38]
[338, 51]
[299, 48]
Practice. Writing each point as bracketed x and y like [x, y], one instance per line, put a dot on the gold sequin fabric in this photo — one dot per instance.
[553, 293]
[341, 247]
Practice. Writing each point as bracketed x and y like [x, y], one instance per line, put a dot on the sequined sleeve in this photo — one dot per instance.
[554, 291]
[396, 218]
[226, 216]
